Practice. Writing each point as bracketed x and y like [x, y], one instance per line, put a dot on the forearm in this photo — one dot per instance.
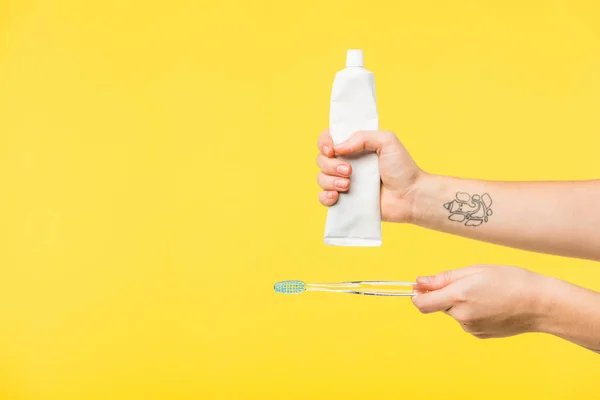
[560, 218]
[569, 312]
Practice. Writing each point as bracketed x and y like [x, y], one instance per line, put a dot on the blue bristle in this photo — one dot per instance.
[290, 287]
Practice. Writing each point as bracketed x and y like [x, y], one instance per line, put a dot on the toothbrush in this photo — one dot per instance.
[370, 288]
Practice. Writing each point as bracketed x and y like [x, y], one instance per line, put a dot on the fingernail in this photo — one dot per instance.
[330, 195]
[343, 169]
[424, 280]
[341, 183]
[326, 150]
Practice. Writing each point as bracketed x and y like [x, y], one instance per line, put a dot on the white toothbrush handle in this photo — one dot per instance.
[351, 287]
[389, 294]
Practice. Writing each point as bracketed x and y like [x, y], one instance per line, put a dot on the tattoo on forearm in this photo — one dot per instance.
[472, 210]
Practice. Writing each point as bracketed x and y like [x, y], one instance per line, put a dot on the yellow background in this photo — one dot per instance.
[157, 177]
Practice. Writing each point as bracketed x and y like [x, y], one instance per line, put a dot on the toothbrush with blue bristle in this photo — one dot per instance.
[369, 288]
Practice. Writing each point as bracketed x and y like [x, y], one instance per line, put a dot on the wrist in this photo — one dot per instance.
[552, 305]
[426, 194]
[570, 312]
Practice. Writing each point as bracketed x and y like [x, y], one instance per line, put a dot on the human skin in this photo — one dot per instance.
[500, 301]
[559, 218]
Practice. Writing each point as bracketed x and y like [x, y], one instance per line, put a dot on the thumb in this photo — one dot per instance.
[442, 279]
[440, 300]
[435, 282]
[363, 140]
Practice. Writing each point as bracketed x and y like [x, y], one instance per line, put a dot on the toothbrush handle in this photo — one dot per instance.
[383, 294]
[367, 288]
[382, 283]
[404, 293]
[377, 292]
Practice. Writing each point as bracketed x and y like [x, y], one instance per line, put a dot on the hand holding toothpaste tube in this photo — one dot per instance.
[398, 171]
[553, 217]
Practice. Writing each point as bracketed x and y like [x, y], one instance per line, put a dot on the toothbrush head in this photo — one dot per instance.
[290, 287]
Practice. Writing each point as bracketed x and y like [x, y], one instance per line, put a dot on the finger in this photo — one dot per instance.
[443, 279]
[417, 291]
[325, 143]
[435, 282]
[439, 300]
[333, 166]
[332, 182]
[328, 198]
[364, 140]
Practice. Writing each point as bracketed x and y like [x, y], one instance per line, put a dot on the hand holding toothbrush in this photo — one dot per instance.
[499, 301]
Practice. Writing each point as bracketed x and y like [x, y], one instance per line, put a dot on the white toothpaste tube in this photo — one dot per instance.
[355, 220]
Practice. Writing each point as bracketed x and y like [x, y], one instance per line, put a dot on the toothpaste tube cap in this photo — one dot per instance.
[354, 58]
